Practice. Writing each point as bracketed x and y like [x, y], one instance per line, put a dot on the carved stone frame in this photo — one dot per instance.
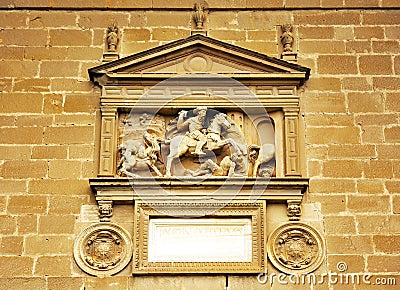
[143, 213]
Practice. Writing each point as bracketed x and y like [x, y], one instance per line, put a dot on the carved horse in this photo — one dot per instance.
[181, 144]
[266, 153]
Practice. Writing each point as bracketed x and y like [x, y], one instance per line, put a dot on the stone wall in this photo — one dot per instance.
[49, 114]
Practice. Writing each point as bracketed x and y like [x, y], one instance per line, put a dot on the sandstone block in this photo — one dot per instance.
[169, 34]
[338, 225]
[325, 102]
[386, 244]
[90, 19]
[22, 283]
[185, 282]
[396, 203]
[314, 168]
[381, 17]
[81, 103]
[134, 47]
[342, 168]
[62, 186]
[81, 152]
[53, 266]
[45, 19]
[269, 47]
[12, 186]
[263, 3]
[324, 84]
[13, 152]
[369, 64]
[327, 18]
[392, 32]
[11, 245]
[49, 152]
[261, 20]
[48, 245]
[369, 204]
[57, 169]
[24, 169]
[228, 35]
[69, 135]
[31, 85]
[369, 32]
[27, 224]
[5, 84]
[337, 64]
[317, 152]
[329, 185]
[74, 119]
[59, 69]
[16, 53]
[302, 4]
[378, 169]
[139, 34]
[20, 103]
[65, 204]
[7, 121]
[367, 3]
[24, 37]
[223, 19]
[372, 134]
[13, 19]
[25, 204]
[344, 33]
[358, 46]
[360, 244]
[45, 53]
[365, 102]
[263, 35]
[393, 186]
[52, 103]
[322, 46]
[392, 134]
[376, 119]
[356, 84]
[370, 186]
[387, 46]
[331, 3]
[351, 151]
[70, 37]
[383, 263]
[84, 53]
[22, 135]
[66, 283]
[50, 224]
[355, 263]
[14, 266]
[8, 224]
[168, 18]
[15, 68]
[137, 18]
[386, 83]
[333, 135]
[315, 32]
[37, 121]
[112, 283]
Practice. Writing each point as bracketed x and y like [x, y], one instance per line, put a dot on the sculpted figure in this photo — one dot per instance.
[112, 38]
[265, 154]
[209, 167]
[195, 126]
[137, 157]
[287, 38]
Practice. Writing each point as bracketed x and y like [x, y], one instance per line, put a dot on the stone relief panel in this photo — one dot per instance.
[296, 248]
[197, 142]
[103, 249]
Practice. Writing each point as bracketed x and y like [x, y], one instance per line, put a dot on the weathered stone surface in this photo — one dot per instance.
[60, 266]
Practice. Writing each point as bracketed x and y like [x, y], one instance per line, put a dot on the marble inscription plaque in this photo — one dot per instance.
[200, 240]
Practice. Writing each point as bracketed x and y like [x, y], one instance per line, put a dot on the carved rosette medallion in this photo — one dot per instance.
[103, 249]
[296, 248]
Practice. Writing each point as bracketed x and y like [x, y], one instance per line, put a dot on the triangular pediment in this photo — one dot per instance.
[197, 54]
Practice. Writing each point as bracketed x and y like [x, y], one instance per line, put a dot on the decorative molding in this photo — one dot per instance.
[108, 150]
[291, 117]
[296, 248]
[105, 210]
[144, 212]
[293, 210]
[103, 249]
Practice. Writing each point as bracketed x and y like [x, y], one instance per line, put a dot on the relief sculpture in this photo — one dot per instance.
[198, 142]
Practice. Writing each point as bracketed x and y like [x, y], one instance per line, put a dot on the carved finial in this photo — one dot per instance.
[112, 38]
[287, 38]
[198, 15]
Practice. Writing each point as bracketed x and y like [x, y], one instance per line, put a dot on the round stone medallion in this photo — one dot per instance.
[103, 249]
[296, 248]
